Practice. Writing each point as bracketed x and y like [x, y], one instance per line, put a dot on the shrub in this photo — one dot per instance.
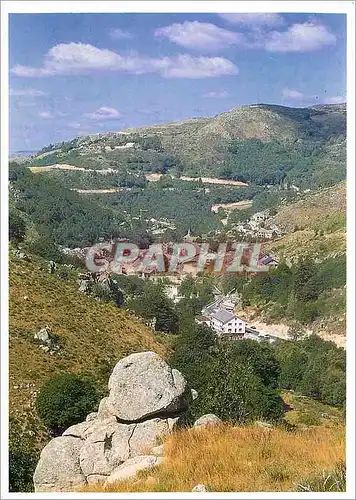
[65, 400]
[236, 381]
[45, 247]
[313, 367]
[23, 458]
[17, 227]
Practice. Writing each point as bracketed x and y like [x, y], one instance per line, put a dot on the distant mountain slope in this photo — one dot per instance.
[92, 335]
[199, 146]
[264, 122]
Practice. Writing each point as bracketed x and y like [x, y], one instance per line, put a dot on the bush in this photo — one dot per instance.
[153, 303]
[17, 227]
[313, 367]
[236, 381]
[65, 400]
[23, 458]
[45, 247]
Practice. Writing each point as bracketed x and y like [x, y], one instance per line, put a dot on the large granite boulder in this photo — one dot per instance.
[143, 385]
[146, 399]
[58, 468]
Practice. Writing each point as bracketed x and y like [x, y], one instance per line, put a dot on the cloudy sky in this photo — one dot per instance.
[74, 74]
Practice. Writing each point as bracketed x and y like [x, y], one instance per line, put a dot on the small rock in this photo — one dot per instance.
[207, 420]
[84, 287]
[158, 451]
[21, 255]
[43, 334]
[51, 267]
[194, 394]
[199, 488]
[129, 469]
[261, 423]
[62, 276]
[96, 479]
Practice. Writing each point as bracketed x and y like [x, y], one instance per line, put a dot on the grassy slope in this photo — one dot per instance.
[315, 225]
[241, 459]
[93, 335]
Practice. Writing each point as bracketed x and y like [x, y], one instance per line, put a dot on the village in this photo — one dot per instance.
[220, 316]
[260, 227]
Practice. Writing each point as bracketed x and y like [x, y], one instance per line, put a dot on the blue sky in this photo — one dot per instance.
[74, 74]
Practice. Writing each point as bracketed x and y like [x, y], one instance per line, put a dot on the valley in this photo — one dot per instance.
[269, 175]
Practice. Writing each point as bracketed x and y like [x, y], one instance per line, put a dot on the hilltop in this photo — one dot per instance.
[257, 121]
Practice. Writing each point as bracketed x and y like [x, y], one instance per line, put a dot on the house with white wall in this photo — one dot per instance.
[227, 323]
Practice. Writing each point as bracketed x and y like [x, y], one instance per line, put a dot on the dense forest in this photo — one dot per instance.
[66, 217]
[303, 163]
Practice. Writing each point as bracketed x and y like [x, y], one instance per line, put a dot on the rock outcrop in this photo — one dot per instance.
[146, 398]
[163, 390]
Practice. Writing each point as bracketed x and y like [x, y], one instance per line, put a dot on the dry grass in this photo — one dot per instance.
[314, 209]
[318, 220]
[241, 459]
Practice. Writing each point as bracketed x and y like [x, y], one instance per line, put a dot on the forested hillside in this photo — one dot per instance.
[261, 144]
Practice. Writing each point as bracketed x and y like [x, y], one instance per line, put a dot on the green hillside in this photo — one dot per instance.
[303, 144]
[92, 336]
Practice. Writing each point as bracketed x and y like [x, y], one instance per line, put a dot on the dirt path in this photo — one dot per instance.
[205, 180]
[101, 191]
[65, 166]
[211, 180]
[241, 205]
[281, 330]
[149, 177]
[58, 166]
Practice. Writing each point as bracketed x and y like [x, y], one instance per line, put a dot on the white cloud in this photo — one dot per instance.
[196, 35]
[78, 58]
[104, 113]
[335, 100]
[293, 95]
[46, 114]
[267, 19]
[216, 94]
[296, 95]
[27, 92]
[74, 125]
[299, 38]
[119, 34]
[186, 66]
